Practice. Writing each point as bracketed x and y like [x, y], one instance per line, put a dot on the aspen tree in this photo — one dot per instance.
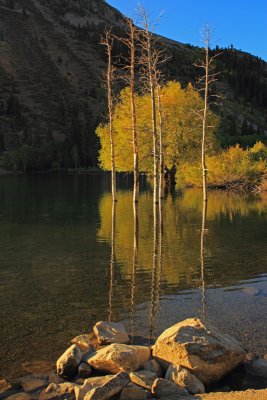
[130, 42]
[107, 41]
[161, 153]
[150, 60]
[206, 80]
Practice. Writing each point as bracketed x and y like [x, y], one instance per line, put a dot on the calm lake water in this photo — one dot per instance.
[64, 264]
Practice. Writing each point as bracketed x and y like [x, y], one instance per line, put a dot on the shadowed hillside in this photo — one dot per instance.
[51, 92]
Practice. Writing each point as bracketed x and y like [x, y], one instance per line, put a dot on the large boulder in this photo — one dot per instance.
[110, 332]
[200, 348]
[110, 388]
[184, 378]
[120, 357]
[67, 364]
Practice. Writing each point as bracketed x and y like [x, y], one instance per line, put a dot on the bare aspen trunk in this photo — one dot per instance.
[161, 154]
[133, 110]
[108, 45]
[154, 123]
[203, 155]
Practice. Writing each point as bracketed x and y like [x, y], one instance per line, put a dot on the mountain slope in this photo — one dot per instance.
[51, 92]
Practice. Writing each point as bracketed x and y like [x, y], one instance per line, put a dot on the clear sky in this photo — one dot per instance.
[242, 23]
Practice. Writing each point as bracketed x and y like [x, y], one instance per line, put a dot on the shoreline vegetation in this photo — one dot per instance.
[186, 361]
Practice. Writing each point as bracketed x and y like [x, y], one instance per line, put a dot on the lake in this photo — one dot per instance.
[65, 263]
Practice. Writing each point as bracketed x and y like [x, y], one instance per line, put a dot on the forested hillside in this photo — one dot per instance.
[51, 91]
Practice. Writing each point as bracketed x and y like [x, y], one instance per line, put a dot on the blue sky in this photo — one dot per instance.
[242, 23]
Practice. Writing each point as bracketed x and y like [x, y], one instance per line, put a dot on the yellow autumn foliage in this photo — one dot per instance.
[232, 166]
[182, 132]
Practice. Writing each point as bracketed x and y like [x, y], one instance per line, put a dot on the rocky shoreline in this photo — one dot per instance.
[186, 359]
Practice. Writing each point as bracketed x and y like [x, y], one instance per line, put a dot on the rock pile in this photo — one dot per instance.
[103, 365]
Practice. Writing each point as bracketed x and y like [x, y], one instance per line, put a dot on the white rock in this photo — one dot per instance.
[110, 332]
[120, 357]
[200, 348]
[184, 378]
[90, 384]
[109, 389]
[67, 364]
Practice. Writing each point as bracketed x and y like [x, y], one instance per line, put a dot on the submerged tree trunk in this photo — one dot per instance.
[202, 258]
[135, 262]
[112, 262]
[161, 153]
[154, 277]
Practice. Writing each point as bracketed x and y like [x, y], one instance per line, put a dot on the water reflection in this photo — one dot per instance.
[135, 264]
[202, 259]
[67, 261]
[112, 261]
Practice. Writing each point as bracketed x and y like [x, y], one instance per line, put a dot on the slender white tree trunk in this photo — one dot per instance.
[133, 111]
[161, 153]
[203, 155]
[108, 45]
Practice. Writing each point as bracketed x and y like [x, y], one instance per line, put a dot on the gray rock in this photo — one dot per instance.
[67, 364]
[134, 392]
[109, 389]
[184, 378]
[143, 378]
[84, 371]
[110, 332]
[90, 384]
[200, 348]
[164, 388]
[120, 357]
[258, 367]
[153, 366]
